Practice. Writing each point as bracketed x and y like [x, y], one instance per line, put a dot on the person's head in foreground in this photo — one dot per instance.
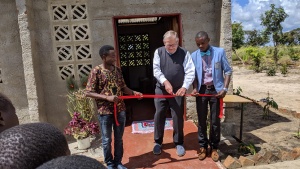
[8, 117]
[72, 162]
[27, 146]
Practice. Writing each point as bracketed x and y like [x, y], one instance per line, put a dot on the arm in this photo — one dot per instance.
[227, 70]
[195, 87]
[128, 91]
[227, 73]
[92, 84]
[189, 70]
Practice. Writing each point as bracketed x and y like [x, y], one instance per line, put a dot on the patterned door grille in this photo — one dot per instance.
[134, 50]
[71, 40]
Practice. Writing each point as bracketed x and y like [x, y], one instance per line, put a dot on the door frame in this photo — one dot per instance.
[115, 18]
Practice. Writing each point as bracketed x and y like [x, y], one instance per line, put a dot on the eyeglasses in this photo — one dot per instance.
[171, 45]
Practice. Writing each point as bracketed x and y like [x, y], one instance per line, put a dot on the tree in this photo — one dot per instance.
[237, 38]
[291, 38]
[237, 35]
[256, 38]
[272, 20]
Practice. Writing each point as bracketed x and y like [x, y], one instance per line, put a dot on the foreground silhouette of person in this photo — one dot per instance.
[8, 117]
[72, 162]
[27, 146]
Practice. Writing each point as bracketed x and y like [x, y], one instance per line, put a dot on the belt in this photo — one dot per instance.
[208, 86]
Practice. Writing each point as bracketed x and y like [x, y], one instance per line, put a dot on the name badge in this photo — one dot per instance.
[217, 65]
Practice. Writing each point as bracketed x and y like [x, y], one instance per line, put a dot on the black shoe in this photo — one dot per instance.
[157, 149]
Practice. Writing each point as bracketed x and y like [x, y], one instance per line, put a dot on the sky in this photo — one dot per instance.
[248, 12]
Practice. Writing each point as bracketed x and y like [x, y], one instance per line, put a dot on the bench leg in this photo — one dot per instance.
[241, 122]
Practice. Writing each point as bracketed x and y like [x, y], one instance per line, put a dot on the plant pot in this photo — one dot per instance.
[84, 143]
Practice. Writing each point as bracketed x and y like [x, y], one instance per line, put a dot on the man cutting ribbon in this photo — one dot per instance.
[174, 70]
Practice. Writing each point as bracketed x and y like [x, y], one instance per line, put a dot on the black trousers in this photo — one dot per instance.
[202, 104]
[162, 105]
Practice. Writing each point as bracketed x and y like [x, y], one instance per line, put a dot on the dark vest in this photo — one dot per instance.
[172, 66]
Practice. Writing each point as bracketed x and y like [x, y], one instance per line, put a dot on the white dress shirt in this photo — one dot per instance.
[188, 66]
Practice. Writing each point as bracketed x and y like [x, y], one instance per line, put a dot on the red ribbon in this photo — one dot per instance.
[161, 96]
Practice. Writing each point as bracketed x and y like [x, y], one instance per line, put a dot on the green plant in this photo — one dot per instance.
[294, 57]
[246, 148]
[284, 69]
[293, 53]
[256, 56]
[237, 91]
[271, 71]
[270, 102]
[80, 108]
[77, 102]
[297, 134]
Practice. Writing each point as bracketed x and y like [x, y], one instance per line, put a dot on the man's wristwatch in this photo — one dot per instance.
[225, 89]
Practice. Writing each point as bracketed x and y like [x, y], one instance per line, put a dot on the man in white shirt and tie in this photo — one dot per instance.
[174, 71]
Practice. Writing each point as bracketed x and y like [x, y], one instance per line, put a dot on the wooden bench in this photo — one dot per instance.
[241, 101]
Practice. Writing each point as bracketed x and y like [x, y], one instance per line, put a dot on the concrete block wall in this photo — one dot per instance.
[197, 15]
[11, 63]
[51, 91]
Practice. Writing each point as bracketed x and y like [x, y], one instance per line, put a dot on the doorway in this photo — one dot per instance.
[137, 38]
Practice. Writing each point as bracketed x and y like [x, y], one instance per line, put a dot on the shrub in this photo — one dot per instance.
[294, 54]
[284, 69]
[271, 71]
[256, 57]
[285, 60]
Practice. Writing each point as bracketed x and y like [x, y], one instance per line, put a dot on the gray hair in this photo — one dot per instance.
[171, 34]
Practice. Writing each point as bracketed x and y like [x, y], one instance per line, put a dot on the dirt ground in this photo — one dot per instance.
[277, 132]
[284, 90]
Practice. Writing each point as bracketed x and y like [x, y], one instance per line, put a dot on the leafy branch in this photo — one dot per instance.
[270, 102]
[237, 91]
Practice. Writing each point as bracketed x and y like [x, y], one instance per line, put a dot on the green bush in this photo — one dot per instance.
[280, 53]
[295, 57]
[271, 71]
[284, 69]
[294, 53]
[256, 57]
[241, 52]
[289, 55]
[270, 51]
[285, 60]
